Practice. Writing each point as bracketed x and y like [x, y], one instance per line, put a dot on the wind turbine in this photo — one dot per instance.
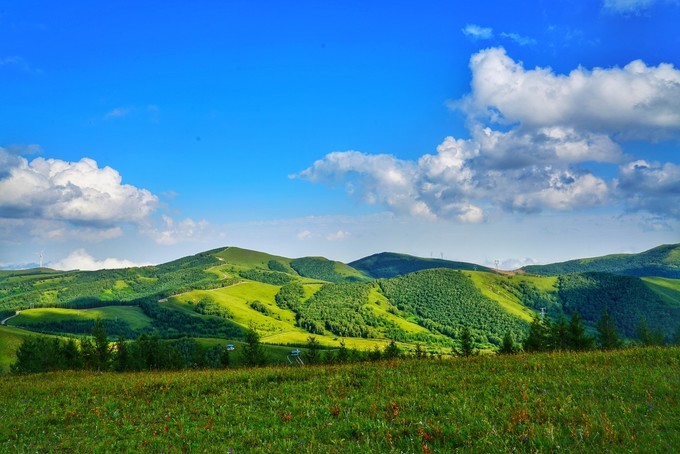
[40, 254]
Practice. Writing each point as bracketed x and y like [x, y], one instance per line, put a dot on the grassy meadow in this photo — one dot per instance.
[616, 401]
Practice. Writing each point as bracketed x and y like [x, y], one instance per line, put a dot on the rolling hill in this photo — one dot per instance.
[218, 294]
[661, 261]
[391, 264]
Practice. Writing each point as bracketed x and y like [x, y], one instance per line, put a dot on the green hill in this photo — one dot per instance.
[661, 261]
[220, 293]
[390, 264]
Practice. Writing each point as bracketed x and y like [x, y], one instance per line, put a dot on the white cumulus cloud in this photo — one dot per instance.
[81, 260]
[627, 6]
[77, 192]
[636, 100]
[552, 128]
[173, 232]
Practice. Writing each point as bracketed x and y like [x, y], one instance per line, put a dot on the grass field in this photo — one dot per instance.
[132, 316]
[667, 289]
[489, 285]
[623, 401]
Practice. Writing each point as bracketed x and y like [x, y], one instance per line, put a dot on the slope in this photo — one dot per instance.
[390, 264]
[662, 261]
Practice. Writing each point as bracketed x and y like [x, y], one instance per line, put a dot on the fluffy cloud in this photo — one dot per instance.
[81, 260]
[555, 126]
[75, 192]
[651, 187]
[636, 100]
[548, 146]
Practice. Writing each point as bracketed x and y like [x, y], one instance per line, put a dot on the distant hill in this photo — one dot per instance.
[662, 261]
[390, 264]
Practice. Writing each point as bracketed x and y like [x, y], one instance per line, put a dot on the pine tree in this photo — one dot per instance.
[343, 353]
[252, 353]
[558, 335]
[420, 352]
[392, 351]
[508, 347]
[313, 347]
[577, 339]
[607, 334]
[102, 352]
[538, 338]
[122, 357]
[466, 344]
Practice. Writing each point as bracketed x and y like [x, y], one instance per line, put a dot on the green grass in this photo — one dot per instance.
[132, 316]
[624, 401]
[667, 289]
[379, 305]
[488, 284]
[249, 259]
[10, 340]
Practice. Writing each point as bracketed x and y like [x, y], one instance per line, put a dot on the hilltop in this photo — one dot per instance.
[391, 264]
[661, 261]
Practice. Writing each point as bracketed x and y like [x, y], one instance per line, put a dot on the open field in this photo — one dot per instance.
[132, 316]
[591, 402]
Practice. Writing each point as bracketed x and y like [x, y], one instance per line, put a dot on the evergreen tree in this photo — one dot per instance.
[102, 351]
[644, 333]
[343, 353]
[508, 347]
[392, 351]
[577, 339]
[122, 358]
[466, 345]
[558, 335]
[72, 356]
[607, 334]
[313, 346]
[676, 336]
[538, 338]
[375, 354]
[252, 353]
[420, 352]
[88, 353]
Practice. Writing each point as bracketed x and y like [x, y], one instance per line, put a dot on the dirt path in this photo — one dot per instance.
[4, 322]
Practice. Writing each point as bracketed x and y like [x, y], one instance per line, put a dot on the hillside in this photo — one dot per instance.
[390, 264]
[622, 401]
[661, 261]
[222, 292]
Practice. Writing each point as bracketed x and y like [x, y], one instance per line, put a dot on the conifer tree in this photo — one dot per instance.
[466, 344]
[392, 351]
[508, 347]
[577, 339]
[252, 353]
[102, 352]
[607, 334]
[538, 338]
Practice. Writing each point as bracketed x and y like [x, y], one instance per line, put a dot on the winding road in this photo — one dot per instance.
[4, 322]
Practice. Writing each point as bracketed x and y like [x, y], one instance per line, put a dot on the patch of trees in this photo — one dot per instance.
[627, 299]
[533, 297]
[339, 308]
[114, 327]
[446, 301]
[290, 295]
[171, 323]
[320, 268]
[260, 307]
[207, 306]
[281, 267]
[266, 277]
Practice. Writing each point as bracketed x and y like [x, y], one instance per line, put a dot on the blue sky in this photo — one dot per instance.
[526, 132]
